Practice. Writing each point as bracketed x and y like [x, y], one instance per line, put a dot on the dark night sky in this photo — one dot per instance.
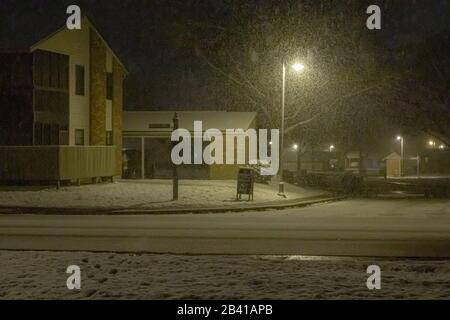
[164, 76]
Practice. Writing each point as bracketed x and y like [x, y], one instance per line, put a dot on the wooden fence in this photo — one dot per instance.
[56, 163]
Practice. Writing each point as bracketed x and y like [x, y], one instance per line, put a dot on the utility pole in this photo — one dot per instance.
[403, 161]
[281, 169]
[401, 139]
[176, 122]
[299, 68]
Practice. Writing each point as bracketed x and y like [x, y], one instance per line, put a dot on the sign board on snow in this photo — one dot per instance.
[245, 183]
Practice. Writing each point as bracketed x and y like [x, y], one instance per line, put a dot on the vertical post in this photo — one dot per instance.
[401, 156]
[281, 184]
[142, 158]
[174, 166]
[418, 166]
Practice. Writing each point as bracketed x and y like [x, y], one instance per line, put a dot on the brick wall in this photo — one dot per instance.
[98, 90]
[117, 112]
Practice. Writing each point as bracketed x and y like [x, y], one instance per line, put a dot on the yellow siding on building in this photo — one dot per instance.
[75, 44]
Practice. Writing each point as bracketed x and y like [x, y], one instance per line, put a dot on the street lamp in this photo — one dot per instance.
[298, 67]
[400, 138]
[295, 146]
[431, 143]
[331, 148]
[441, 147]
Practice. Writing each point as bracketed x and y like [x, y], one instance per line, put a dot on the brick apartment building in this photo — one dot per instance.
[61, 99]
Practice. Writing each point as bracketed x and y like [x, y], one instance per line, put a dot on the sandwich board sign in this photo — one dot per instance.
[245, 183]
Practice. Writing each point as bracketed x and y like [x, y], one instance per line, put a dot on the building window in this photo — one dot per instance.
[79, 80]
[79, 137]
[109, 85]
[109, 138]
[51, 70]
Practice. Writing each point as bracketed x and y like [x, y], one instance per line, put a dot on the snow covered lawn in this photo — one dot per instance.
[41, 275]
[143, 194]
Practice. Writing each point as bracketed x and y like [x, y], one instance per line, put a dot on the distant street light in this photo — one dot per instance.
[441, 147]
[400, 138]
[298, 67]
[295, 146]
[331, 148]
[431, 143]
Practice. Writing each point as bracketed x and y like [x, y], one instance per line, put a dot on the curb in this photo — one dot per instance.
[275, 206]
[160, 211]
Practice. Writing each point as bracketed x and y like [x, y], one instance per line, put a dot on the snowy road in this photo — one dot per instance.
[413, 227]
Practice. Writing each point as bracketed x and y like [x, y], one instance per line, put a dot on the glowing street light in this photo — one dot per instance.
[295, 147]
[298, 67]
[441, 147]
[431, 143]
[331, 148]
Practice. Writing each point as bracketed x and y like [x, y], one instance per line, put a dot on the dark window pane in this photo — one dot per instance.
[63, 71]
[79, 81]
[109, 138]
[38, 70]
[45, 60]
[79, 137]
[54, 76]
[54, 139]
[50, 70]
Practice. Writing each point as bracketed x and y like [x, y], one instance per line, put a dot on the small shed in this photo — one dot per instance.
[393, 165]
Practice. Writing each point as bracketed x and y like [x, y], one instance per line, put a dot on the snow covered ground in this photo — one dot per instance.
[143, 194]
[41, 275]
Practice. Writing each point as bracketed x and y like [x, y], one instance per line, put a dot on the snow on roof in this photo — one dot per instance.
[151, 120]
[367, 155]
[393, 156]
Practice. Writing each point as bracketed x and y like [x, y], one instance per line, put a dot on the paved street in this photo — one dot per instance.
[413, 227]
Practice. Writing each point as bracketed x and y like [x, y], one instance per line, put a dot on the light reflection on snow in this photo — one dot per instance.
[303, 258]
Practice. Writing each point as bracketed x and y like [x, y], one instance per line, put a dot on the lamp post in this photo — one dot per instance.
[298, 67]
[400, 138]
[296, 148]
